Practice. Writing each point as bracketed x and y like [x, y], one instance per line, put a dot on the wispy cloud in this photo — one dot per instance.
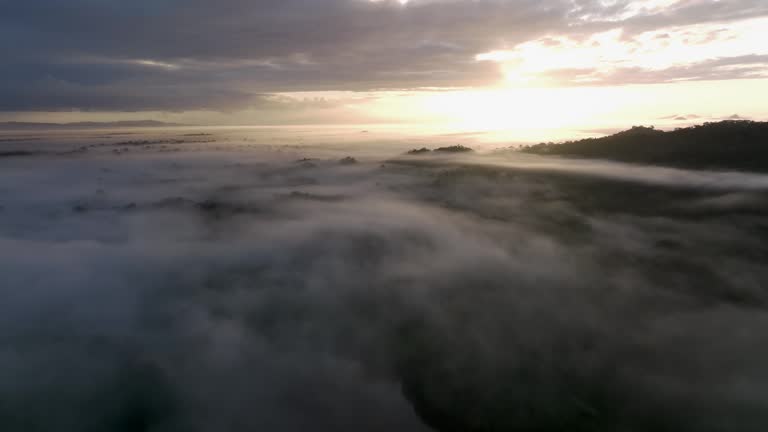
[199, 49]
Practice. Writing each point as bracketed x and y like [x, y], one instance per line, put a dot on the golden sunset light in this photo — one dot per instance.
[383, 215]
[445, 63]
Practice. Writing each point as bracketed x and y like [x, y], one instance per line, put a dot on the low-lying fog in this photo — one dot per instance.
[240, 280]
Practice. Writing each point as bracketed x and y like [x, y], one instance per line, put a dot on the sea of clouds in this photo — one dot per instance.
[205, 283]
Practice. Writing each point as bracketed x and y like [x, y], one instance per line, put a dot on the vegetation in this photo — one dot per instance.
[731, 144]
[17, 153]
[454, 149]
[420, 151]
[349, 160]
[450, 149]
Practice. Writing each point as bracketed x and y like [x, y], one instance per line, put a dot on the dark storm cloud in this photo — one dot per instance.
[85, 54]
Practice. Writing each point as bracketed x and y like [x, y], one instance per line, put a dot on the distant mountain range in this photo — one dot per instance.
[729, 144]
[86, 125]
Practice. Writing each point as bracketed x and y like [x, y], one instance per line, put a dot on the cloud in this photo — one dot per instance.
[614, 57]
[243, 290]
[201, 55]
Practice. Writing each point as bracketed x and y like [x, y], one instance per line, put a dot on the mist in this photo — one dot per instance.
[189, 280]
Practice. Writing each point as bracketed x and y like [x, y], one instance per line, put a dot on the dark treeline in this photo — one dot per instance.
[730, 144]
[450, 149]
[86, 125]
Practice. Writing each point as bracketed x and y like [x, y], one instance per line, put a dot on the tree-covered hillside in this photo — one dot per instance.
[731, 144]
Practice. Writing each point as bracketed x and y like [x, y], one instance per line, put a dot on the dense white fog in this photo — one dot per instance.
[240, 280]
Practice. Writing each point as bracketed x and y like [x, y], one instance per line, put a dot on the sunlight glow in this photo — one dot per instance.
[639, 7]
[549, 108]
[552, 59]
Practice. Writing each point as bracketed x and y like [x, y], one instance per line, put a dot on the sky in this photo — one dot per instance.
[472, 64]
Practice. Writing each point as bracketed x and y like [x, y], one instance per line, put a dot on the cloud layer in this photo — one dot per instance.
[175, 56]
[162, 283]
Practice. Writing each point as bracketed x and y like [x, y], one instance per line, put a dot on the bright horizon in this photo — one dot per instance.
[501, 66]
[383, 215]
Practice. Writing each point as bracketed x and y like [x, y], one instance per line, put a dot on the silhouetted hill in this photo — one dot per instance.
[86, 125]
[730, 144]
[450, 149]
